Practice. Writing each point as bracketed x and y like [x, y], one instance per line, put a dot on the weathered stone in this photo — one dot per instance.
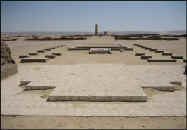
[33, 54]
[33, 60]
[48, 49]
[161, 60]
[8, 65]
[50, 56]
[177, 57]
[139, 54]
[167, 54]
[128, 49]
[146, 57]
[38, 86]
[100, 50]
[159, 51]
[56, 53]
[40, 51]
[24, 56]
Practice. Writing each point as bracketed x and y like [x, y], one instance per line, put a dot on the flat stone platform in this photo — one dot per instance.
[35, 102]
[107, 91]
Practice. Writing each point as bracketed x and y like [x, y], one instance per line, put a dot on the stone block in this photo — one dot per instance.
[33, 54]
[159, 51]
[128, 49]
[161, 60]
[23, 56]
[38, 86]
[167, 54]
[100, 50]
[40, 51]
[50, 56]
[146, 57]
[139, 54]
[162, 88]
[177, 57]
[23, 83]
[29, 60]
[151, 49]
[56, 53]
[47, 49]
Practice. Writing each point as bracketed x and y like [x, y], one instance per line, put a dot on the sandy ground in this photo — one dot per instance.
[22, 47]
[57, 122]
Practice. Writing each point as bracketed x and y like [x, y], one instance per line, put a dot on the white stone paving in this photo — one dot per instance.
[15, 102]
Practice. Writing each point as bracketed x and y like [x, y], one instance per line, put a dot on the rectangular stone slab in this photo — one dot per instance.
[100, 50]
[92, 92]
[87, 47]
[56, 53]
[159, 51]
[170, 88]
[48, 49]
[40, 51]
[33, 60]
[151, 49]
[23, 56]
[33, 54]
[161, 60]
[38, 86]
[177, 57]
[167, 54]
[146, 57]
[128, 49]
[75, 48]
[50, 56]
[139, 54]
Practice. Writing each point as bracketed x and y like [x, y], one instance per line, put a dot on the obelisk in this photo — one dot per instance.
[96, 29]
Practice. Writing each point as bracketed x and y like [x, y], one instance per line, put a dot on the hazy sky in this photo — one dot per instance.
[81, 16]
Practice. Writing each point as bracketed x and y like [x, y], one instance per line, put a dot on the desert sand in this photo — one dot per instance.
[22, 47]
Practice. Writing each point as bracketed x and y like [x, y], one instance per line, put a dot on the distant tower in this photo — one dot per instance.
[96, 29]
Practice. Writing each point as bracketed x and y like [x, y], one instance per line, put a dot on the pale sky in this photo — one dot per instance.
[82, 16]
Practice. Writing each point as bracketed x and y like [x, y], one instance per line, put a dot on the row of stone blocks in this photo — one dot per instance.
[41, 51]
[148, 58]
[28, 60]
[159, 51]
[154, 50]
